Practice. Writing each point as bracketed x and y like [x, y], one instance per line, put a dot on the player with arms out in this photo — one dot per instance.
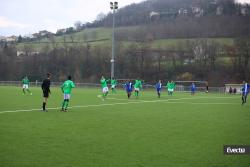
[26, 83]
[137, 86]
[46, 91]
[113, 85]
[105, 89]
[66, 89]
[158, 87]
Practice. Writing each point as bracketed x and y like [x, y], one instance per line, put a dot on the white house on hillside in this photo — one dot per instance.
[11, 39]
[197, 11]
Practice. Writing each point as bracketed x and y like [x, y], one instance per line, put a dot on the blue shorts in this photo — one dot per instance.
[129, 90]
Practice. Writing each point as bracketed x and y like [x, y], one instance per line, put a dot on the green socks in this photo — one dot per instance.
[65, 104]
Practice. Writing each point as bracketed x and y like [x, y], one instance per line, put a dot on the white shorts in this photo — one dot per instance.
[25, 86]
[113, 86]
[137, 89]
[66, 96]
[105, 89]
[170, 90]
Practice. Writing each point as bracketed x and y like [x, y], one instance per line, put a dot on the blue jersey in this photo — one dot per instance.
[158, 86]
[129, 86]
[193, 88]
[245, 89]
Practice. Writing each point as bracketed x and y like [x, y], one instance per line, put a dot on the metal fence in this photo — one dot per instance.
[182, 88]
[38, 84]
[179, 88]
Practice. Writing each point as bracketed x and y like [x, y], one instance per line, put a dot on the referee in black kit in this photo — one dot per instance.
[46, 91]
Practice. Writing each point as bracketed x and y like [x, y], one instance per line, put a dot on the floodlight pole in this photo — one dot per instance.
[113, 6]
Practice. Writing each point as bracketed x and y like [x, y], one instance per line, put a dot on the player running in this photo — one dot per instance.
[46, 91]
[113, 85]
[137, 86]
[66, 89]
[105, 89]
[158, 87]
[129, 88]
[26, 82]
[245, 91]
[193, 89]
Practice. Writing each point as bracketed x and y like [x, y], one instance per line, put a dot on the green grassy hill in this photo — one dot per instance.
[102, 36]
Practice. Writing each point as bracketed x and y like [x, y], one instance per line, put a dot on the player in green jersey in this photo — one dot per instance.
[105, 89]
[26, 83]
[66, 89]
[113, 85]
[170, 87]
[137, 86]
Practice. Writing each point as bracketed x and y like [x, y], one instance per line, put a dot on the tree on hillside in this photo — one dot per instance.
[69, 30]
[71, 37]
[100, 16]
[243, 53]
[19, 39]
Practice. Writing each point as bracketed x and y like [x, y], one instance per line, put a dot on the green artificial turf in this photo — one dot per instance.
[178, 131]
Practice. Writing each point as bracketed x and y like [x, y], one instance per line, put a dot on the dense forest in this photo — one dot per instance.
[197, 56]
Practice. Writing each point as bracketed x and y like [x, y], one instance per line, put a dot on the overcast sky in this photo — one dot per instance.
[29, 16]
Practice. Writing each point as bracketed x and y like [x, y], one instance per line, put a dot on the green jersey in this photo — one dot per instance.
[138, 84]
[172, 85]
[104, 83]
[67, 86]
[113, 82]
[25, 81]
[168, 85]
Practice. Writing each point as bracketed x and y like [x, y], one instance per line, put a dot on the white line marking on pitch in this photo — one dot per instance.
[131, 102]
[202, 103]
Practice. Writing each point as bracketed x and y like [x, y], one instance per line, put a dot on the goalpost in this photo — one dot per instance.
[235, 88]
[184, 86]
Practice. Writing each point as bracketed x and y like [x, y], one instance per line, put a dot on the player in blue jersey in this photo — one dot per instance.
[129, 88]
[158, 87]
[245, 91]
[193, 89]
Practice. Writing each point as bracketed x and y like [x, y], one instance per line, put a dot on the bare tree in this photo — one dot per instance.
[100, 16]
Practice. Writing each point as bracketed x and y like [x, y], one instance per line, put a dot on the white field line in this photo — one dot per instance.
[171, 98]
[131, 102]
[110, 98]
[202, 103]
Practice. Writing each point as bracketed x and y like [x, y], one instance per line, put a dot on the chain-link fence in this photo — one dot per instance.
[179, 88]
[38, 84]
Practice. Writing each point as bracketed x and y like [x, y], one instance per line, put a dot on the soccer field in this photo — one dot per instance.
[177, 131]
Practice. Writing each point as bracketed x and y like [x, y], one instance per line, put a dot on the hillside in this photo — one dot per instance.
[170, 45]
[102, 37]
[158, 21]
[95, 36]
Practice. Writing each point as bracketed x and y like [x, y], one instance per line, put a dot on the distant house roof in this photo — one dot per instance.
[11, 38]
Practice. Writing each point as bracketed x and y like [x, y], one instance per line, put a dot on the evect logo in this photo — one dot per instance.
[236, 150]
[231, 150]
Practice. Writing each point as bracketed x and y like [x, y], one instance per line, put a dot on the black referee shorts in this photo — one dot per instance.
[45, 93]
